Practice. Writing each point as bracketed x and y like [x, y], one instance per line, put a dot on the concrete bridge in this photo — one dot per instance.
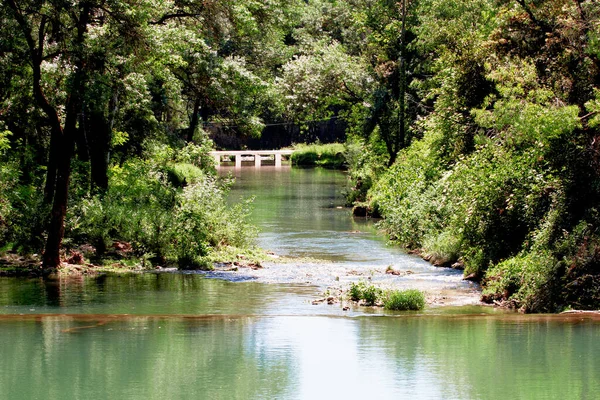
[256, 154]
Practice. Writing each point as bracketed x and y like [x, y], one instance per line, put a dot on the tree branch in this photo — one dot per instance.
[168, 17]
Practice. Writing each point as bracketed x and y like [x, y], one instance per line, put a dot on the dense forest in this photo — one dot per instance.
[471, 127]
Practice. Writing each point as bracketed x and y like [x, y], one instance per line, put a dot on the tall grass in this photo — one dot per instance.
[404, 300]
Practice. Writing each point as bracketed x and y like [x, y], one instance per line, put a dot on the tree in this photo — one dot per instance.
[60, 34]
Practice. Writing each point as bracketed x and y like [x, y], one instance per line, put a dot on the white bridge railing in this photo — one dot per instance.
[256, 154]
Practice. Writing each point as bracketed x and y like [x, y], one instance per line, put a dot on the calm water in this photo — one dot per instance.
[186, 336]
[301, 214]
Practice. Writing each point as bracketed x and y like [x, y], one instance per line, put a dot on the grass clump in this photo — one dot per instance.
[399, 300]
[319, 155]
[403, 300]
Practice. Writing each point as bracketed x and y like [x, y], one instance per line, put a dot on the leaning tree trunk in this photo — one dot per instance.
[62, 139]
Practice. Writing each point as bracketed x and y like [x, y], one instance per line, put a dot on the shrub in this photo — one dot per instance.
[366, 162]
[173, 210]
[361, 291]
[356, 291]
[527, 280]
[401, 300]
[319, 155]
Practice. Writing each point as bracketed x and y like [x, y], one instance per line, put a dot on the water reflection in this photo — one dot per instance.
[299, 358]
[179, 294]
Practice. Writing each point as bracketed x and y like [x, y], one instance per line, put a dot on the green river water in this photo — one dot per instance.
[256, 335]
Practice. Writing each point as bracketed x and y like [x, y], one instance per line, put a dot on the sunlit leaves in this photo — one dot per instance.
[312, 84]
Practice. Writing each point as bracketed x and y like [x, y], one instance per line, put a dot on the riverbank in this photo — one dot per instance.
[119, 260]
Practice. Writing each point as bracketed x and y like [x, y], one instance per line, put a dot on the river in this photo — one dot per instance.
[256, 335]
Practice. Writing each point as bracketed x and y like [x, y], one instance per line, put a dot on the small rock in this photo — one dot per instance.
[345, 308]
[458, 265]
[391, 271]
[471, 277]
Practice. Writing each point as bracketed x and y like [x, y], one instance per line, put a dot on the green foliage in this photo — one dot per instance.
[22, 211]
[505, 174]
[364, 168]
[183, 174]
[173, 210]
[401, 300]
[4, 141]
[361, 291]
[319, 155]
[404, 195]
[528, 280]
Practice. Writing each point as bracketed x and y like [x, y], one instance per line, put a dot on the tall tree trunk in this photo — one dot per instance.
[62, 142]
[56, 229]
[194, 120]
[51, 169]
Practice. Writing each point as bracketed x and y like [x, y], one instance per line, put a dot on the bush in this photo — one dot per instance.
[402, 300]
[173, 210]
[319, 155]
[361, 291]
[527, 280]
[366, 162]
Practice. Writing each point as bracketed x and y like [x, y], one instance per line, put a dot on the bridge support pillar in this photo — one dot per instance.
[238, 161]
[277, 160]
[217, 159]
[257, 160]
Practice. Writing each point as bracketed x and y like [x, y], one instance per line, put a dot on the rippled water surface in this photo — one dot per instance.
[187, 336]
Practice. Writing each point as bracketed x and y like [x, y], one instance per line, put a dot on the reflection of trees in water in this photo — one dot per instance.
[487, 358]
[296, 199]
[163, 293]
[220, 357]
[139, 358]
